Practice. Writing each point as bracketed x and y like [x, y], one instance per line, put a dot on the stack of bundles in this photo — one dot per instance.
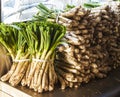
[91, 47]
[73, 64]
[31, 46]
[114, 46]
[105, 35]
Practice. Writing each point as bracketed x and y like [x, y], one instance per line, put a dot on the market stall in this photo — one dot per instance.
[71, 46]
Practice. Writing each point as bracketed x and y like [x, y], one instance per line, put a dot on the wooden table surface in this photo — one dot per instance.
[107, 87]
[3, 94]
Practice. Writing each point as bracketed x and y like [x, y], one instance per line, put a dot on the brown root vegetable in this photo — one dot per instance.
[81, 27]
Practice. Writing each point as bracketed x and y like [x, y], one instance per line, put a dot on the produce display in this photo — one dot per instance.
[31, 46]
[83, 44]
[92, 48]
